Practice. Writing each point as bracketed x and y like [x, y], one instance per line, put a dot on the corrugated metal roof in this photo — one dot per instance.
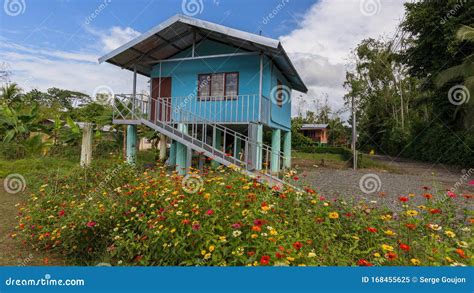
[176, 34]
[314, 126]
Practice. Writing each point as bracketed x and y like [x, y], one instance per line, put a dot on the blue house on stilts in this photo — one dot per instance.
[214, 91]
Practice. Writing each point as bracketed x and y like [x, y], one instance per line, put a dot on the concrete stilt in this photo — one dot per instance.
[172, 158]
[86, 147]
[259, 155]
[216, 143]
[181, 152]
[276, 146]
[287, 150]
[131, 144]
[237, 147]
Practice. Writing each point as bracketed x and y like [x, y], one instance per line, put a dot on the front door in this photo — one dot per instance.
[163, 96]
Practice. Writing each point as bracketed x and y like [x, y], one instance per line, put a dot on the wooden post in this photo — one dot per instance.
[86, 148]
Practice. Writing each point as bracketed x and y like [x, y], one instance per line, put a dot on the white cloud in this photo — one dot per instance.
[116, 37]
[320, 47]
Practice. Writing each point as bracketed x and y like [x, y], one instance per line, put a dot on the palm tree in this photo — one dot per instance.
[9, 94]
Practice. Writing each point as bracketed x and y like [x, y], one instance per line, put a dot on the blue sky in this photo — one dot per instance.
[57, 42]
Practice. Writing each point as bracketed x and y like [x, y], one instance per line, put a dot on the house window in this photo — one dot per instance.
[218, 86]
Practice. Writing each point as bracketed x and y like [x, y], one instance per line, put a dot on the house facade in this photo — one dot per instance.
[214, 90]
[316, 132]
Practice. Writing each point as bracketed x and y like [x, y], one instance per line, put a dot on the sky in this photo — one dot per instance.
[56, 43]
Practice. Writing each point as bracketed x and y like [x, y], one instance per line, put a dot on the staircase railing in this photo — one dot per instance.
[200, 131]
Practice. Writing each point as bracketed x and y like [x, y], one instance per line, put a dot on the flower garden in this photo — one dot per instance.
[125, 216]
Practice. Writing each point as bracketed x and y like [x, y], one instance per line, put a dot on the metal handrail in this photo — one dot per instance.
[164, 113]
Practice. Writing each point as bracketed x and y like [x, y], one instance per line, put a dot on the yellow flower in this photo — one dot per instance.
[222, 238]
[290, 258]
[448, 259]
[253, 236]
[325, 204]
[265, 208]
[387, 247]
[246, 187]
[207, 195]
[133, 209]
[411, 194]
[386, 217]
[422, 207]
[273, 232]
[450, 234]
[314, 201]
[412, 213]
[203, 252]
[207, 256]
[174, 192]
[245, 213]
[211, 248]
[389, 233]
[311, 254]
[463, 244]
[415, 261]
[377, 254]
[333, 215]
[173, 230]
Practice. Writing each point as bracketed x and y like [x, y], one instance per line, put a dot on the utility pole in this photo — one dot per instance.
[354, 135]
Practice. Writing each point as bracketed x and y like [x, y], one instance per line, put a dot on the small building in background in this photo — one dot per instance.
[316, 132]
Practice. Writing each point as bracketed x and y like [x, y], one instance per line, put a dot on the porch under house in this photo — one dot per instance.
[215, 92]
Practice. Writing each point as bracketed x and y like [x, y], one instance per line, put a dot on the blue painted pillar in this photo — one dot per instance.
[287, 150]
[216, 143]
[276, 147]
[172, 158]
[181, 152]
[259, 153]
[131, 144]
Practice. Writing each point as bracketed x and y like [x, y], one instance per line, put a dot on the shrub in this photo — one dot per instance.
[147, 218]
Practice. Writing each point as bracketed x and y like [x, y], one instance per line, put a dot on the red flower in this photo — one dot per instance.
[265, 260]
[451, 194]
[410, 226]
[281, 248]
[196, 227]
[91, 224]
[61, 213]
[228, 187]
[209, 212]
[404, 247]
[364, 263]
[296, 178]
[297, 245]
[250, 253]
[321, 198]
[185, 221]
[258, 222]
[372, 229]
[391, 255]
[403, 198]
[279, 255]
[435, 211]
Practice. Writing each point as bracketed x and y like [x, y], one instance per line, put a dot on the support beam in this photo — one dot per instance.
[86, 148]
[202, 57]
[172, 158]
[287, 150]
[162, 147]
[259, 154]
[131, 144]
[181, 152]
[276, 147]
[237, 147]
[216, 143]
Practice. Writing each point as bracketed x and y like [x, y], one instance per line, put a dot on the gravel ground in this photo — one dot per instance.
[405, 177]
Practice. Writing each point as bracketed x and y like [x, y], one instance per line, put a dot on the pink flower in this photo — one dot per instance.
[471, 182]
[196, 227]
[236, 226]
[209, 212]
[451, 194]
[91, 224]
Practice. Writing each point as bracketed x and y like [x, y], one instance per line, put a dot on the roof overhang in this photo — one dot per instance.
[180, 32]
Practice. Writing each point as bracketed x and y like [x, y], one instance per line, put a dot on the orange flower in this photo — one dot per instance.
[256, 228]
[427, 195]
[461, 253]
[410, 226]
[364, 263]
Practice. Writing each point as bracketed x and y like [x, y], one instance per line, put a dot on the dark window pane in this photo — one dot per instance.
[217, 85]
[204, 85]
[231, 85]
